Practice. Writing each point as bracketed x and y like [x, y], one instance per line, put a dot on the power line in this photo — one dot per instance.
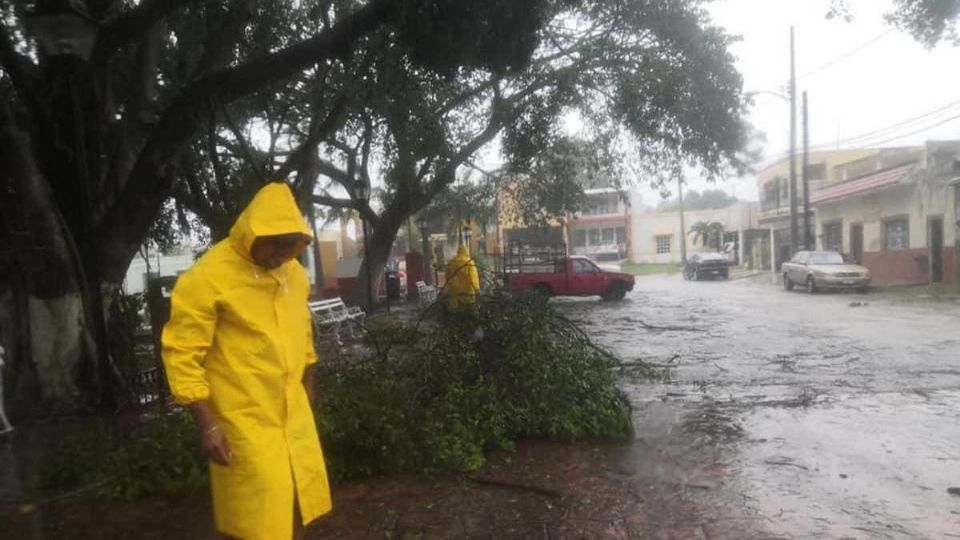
[885, 131]
[921, 130]
[845, 56]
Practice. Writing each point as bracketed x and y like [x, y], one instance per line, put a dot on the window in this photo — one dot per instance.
[605, 204]
[580, 238]
[833, 237]
[594, 237]
[608, 236]
[800, 258]
[663, 243]
[581, 266]
[621, 236]
[896, 234]
[956, 204]
[817, 171]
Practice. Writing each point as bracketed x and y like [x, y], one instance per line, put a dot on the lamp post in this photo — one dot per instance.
[362, 194]
[422, 224]
[467, 235]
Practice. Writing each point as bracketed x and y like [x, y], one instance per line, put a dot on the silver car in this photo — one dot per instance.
[817, 270]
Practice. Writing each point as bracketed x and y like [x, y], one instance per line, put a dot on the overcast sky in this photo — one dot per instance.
[861, 76]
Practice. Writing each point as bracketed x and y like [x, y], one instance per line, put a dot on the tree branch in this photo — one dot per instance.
[137, 203]
[135, 23]
[363, 209]
[255, 166]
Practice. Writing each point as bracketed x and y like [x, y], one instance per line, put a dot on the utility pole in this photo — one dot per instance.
[807, 233]
[683, 227]
[794, 225]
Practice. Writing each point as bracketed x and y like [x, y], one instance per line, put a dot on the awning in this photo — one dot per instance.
[863, 184]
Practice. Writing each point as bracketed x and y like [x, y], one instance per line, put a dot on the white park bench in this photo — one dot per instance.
[329, 316]
[426, 294]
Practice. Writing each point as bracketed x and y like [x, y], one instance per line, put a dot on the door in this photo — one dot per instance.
[585, 278]
[936, 250]
[856, 243]
[797, 269]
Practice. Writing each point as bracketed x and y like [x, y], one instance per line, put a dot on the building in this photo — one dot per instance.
[895, 211]
[657, 235]
[774, 189]
[602, 230]
[824, 169]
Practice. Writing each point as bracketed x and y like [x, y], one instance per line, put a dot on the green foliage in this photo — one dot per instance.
[710, 199]
[928, 21]
[158, 458]
[711, 233]
[649, 269]
[437, 397]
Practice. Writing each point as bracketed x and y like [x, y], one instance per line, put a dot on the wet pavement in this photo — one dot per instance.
[785, 416]
[827, 416]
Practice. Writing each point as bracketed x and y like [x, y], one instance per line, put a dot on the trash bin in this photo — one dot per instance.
[393, 285]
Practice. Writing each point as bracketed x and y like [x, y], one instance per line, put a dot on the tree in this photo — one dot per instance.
[709, 232]
[710, 199]
[654, 76]
[928, 21]
[92, 147]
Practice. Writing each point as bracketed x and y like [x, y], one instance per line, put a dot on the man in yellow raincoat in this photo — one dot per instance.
[463, 281]
[238, 351]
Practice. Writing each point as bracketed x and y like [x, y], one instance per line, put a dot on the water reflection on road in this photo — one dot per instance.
[834, 415]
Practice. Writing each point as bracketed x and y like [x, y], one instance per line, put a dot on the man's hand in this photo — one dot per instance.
[213, 440]
[216, 446]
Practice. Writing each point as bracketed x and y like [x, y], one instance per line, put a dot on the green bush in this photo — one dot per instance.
[437, 397]
[425, 399]
[158, 458]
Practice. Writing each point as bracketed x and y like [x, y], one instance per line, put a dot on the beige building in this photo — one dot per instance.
[824, 169]
[657, 235]
[896, 212]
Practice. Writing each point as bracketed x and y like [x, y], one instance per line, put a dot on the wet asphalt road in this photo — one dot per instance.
[827, 416]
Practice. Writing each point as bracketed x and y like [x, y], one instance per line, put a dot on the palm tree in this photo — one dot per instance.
[708, 231]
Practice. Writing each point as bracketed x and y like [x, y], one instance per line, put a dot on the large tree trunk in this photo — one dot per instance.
[378, 251]
[54, 366]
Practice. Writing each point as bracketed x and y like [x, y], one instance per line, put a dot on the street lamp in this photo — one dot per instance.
[467, 235]
[361, 193]
[66, 34]
[422, 224]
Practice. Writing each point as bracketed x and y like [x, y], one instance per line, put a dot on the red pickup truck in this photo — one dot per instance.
[573, 276]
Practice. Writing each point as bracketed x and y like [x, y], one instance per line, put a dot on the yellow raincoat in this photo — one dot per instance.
[240, 336]
[463, 281]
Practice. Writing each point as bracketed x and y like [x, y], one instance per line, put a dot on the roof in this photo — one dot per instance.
[863, 184]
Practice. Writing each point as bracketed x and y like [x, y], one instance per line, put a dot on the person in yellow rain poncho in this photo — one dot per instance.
[463, 281]
[238, 351]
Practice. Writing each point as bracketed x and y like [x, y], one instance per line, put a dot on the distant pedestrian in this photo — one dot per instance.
[462, 281]
[238, 351]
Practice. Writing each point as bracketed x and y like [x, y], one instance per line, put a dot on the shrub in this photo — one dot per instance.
[430, 398]
[437, 397]
[159, 457]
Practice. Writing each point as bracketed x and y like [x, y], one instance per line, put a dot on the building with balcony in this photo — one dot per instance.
[601, 231]
[823, 169]
[897, 212]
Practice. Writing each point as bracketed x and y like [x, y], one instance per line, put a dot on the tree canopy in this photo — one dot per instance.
[928, 21]
[709, 199]
[184, 108]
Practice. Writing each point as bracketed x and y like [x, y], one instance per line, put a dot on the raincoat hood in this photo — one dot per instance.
[273, 211]
[462, 252]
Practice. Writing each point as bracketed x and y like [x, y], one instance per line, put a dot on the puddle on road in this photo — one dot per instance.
[860, 466]
[810, 417]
